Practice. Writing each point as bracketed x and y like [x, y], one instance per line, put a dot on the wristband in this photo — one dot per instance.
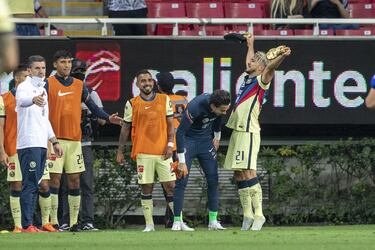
[54, 143]
[181, 157]
[373, 82]
[217, 135]
[170, 144]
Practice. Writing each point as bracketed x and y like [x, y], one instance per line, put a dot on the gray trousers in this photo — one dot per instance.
[87, 191]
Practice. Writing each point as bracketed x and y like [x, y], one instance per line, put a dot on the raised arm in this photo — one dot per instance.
[269, 71]
[250, 49]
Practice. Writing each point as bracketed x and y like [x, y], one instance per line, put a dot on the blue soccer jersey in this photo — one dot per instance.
[198, 122]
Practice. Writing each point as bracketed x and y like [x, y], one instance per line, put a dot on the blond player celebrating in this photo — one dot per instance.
[244, 143]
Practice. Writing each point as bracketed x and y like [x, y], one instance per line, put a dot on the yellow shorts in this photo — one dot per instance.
[243, 151]
[15, 173]
[148, 165]
[72, 160]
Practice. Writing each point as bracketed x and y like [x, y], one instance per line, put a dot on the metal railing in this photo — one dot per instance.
[250, 22]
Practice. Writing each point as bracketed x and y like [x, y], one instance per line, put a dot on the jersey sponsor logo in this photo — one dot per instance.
[147, 107]
[64, 93]
[12, 166]
[140, 170]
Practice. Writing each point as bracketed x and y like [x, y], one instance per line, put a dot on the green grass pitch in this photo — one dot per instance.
[285, 238]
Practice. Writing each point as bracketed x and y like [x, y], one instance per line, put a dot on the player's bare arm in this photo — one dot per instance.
[250, 48]
[124, 135]
[4, 160]
[269, 71]
[170, 131]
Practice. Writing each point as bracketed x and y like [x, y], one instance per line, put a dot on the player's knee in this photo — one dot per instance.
[55, 180]
[44, 186]
[73, 181]
[16, 186]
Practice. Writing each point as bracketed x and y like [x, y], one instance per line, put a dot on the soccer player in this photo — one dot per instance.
[244, 143]
[194, 140]
[8, 42]
[165, 84]
[33, 132]
[88, 126]
[149, 118]
[65, 95]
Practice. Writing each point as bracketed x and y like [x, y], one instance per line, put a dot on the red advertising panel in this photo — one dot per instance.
[103, 67]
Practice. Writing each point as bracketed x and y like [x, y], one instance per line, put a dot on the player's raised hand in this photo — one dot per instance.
[39, 100]
[249, 39]
[115, 119]
[286, 51]
[4, 159]
[120, 158]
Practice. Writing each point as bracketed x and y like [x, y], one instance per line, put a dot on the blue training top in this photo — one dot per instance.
[197, 122]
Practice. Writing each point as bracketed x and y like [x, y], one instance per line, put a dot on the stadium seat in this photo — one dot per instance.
[359, 32]
[243, 10]
[326, 32]
[206, 10]
[266, 4]
[304, 32]
[360, 10]
[287, 32]
[189, 32]
[164, 9]
[359, 1]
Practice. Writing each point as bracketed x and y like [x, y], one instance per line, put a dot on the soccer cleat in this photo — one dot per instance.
[181, 226]
[63, 227]
[17, 230]
[246, 223]
[215, 225]
[258, 223]
[49, 228]
[32, 229]
[89, 227]
[74, 228]
[149, 228]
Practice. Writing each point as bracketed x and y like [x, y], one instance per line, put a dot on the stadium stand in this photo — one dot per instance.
[202, 9]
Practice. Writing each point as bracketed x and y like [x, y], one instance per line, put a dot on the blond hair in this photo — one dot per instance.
[283, 7]
[261, 57]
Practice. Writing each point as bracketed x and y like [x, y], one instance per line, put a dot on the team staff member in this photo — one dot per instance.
[33, 132]
[149, 118]
[8, 152]
[65, 95]
[194, 140]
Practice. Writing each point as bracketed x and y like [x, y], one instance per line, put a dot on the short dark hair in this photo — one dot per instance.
[22, 67]
[33, 59]
[61, 54]
[142, 72]
[220, 97]
[165, 81]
